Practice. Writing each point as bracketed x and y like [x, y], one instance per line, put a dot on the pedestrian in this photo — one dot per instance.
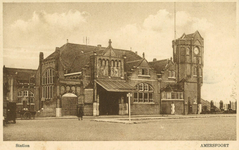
[80, 113]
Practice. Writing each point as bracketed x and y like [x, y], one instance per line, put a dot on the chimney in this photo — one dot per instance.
[57, 49]
[154, 59]
[136, 52]
[143, 55]
[66, 40]
[171, 58]
[41, 56]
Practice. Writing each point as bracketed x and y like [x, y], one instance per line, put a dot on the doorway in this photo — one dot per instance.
[69, 104]
[109, 102]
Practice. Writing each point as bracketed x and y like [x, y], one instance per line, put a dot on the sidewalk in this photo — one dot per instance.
[142, 118]
[136, 118]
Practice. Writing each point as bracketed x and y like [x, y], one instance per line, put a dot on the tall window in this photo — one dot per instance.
[48, 83]
[99, 62]
[187, 51]
[188, 69]
[195, 71]
[103, 62]
[200, 72]
[143, 71]
[25, 95]
[183, 51]
[194, 60]
[143, 93]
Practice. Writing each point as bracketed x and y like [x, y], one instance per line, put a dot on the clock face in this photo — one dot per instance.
[196, 50]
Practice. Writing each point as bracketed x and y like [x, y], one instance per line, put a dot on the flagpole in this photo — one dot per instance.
[174, 21]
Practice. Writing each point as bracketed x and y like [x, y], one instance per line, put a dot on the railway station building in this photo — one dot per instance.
[98, 79]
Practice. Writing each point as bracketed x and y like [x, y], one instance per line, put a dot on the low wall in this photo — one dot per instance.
[166, 107]
[144, 109]
[88, 109]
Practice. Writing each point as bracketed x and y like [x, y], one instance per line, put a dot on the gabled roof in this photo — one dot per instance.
[109, 51]
[132, 64]
[74, 57]
[52, 56]
[22, 75]
[189, 36]
[173, 88]
[159, 65]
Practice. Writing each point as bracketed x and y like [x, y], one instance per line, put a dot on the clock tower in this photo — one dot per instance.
[188, 56]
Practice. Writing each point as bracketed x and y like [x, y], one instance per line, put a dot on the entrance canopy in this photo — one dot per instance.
[115, 85]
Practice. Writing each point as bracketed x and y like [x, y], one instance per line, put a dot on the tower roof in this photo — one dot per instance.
[190, 36]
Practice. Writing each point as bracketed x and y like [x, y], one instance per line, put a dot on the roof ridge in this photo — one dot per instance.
[21, 69]
[158, 60]
[134, 60]
[80, 44]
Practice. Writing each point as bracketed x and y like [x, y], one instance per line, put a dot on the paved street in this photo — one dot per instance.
[214, 128]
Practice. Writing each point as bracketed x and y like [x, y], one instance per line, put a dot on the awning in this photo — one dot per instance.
[115, 85]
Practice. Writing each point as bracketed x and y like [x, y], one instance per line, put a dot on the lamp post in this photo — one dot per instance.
[129, 95]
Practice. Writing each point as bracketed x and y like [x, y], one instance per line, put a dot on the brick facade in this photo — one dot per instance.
[101, 77]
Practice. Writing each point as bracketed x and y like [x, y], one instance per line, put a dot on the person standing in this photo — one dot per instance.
[80, 113]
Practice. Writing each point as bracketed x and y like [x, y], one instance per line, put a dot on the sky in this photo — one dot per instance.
[30, 28]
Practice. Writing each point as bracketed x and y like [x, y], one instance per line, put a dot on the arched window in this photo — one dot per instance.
[107, 63]
[48, 83]
[119, 64]
[143, 93]
[200, 72]
[112, 63]
[25, 95]
[106, 68]
[103, 62]
[99, 62]
[183, 51]
[195, 71]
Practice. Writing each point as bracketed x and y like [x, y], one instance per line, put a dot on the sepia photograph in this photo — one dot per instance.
[119, 74]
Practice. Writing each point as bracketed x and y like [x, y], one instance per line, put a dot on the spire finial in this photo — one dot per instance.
[110, 42]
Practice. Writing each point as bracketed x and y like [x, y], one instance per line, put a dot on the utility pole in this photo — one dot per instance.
[198, 87]
[174, 20]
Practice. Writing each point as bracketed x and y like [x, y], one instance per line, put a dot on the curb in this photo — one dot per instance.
[140, 117]
[144, 120]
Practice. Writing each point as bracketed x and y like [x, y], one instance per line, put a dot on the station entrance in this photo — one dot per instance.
[112, 96]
